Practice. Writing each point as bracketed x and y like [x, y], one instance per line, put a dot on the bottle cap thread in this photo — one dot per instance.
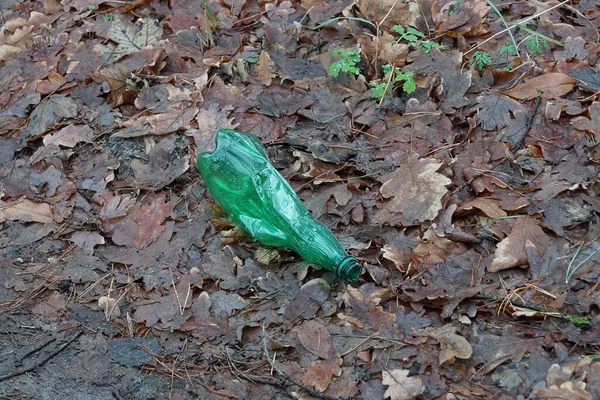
[349, 269]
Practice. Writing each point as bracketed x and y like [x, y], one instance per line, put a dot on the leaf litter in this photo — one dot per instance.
[472, 202]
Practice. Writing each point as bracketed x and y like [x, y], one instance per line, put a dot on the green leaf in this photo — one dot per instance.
[415, 32]
[507, 48]
[346, 63]
[379, 89]
[481, 59]
[409, 86]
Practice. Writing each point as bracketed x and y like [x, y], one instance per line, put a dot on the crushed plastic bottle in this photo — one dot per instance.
[258, 199]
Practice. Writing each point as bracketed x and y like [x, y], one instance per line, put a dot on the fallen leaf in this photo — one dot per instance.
[265, 69]
[315, 338]
[573, 390]
[401, 257]
[495, 110]
[401, 386]
[319, 373]
[452, 345]
[165, 164]
[87, 240]
[417, 190]
[387, 13]
[591, 124]
[70, 136]
[224, 302]
[364, 310]
[465, 18]
[50, 110]
[552, 85]
[209, 122]
[486, 205]
[132, 38]
[25, 210]
[178, 117]
[511, 252]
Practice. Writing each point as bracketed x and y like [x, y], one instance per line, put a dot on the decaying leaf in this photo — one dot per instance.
[511, 252]
[417, 190]
[70, 136]
[552, 85]
[132, 38]
[591, 124]
[266, 70]
[25, 210]
[452, 345]
[50, 110]
[401, 386]
[495, 110]
[87, 240]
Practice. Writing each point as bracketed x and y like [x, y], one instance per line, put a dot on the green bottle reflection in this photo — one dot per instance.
[258, 199]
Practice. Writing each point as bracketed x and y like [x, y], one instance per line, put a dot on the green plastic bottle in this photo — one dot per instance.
[258, 199]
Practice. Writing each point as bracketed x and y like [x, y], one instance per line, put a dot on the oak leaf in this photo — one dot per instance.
[417, 190]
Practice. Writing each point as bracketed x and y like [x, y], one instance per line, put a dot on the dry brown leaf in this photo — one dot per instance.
[572, 390]
[87, 240]
[401, 257]
[433, 249]
[265, 70]
[315, 338]
[552, 85]
[466, 18]
[319, 374]
[417, 190]
[70, 135]
[362, 311]
[488, 206]
[591, 124]
[210, 120]
[25, 210]
[452, 345]
[511, 252]
[401, 386]
[387, 13]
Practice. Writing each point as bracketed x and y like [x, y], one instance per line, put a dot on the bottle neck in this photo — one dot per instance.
[349, 269]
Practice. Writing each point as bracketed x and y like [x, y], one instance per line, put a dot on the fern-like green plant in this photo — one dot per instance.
[481, 59]
[393, 76]
[346, 63]
[415, 36]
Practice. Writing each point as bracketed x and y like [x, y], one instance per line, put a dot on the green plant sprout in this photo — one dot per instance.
[413, 35]
[481, 59]
[409, 34]
[346, 63]
[536, 45]
[508, 49]
[392, 77]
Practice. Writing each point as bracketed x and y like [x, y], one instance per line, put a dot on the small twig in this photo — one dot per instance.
[285, 376]
[24, 370]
